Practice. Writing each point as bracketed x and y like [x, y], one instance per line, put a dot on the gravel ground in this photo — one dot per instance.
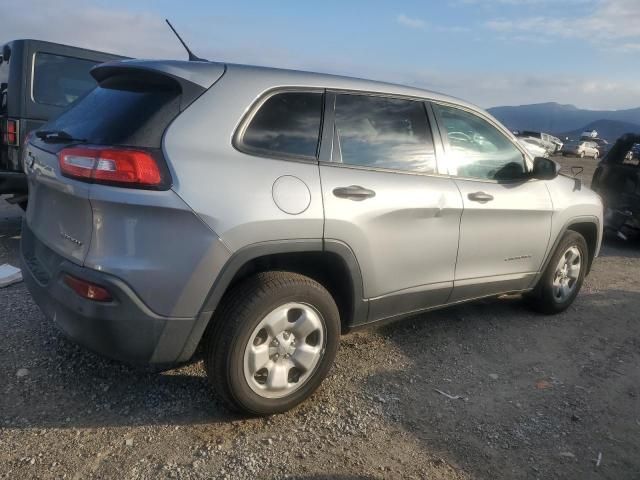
[541, 397]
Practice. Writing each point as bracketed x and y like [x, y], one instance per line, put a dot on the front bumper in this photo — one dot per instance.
[124, 329]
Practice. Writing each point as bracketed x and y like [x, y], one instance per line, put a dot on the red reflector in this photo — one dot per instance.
[88, 290]
[110, 165]
[11, 134]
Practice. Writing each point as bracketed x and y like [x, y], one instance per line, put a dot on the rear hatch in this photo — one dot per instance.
[98, 140]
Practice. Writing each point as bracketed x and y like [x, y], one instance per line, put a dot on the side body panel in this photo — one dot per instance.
[503, 241]
[405, 238]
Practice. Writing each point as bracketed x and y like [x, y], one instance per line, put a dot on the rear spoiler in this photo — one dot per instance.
[203, 74]
[193, 78]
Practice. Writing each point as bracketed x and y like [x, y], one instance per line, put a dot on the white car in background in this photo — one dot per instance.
[534, 146]
[581, 148]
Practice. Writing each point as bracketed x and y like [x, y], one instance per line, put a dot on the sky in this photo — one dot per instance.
[490, 52]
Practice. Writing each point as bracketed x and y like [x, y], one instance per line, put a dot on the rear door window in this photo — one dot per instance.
[286, 124]
[59, 80]
[383, 132]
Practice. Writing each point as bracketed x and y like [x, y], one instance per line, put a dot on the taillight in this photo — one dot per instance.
[88, 290]
[11, 131]
[119, 166]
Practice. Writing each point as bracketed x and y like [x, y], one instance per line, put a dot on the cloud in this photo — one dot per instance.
[145, 35]
[410, 22]
[79, 23]
[604, 25]
[489, 89]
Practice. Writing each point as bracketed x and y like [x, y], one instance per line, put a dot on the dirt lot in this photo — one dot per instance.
[542, 398]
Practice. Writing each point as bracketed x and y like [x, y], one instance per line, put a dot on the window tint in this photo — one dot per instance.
[384, 133]
[59, 80]
[287, 123]
[121, 111]
[477, 148]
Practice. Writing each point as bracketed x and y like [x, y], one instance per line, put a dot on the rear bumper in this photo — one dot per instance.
[124, 329]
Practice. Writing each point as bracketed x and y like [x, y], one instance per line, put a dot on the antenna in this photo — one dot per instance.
[192, 56]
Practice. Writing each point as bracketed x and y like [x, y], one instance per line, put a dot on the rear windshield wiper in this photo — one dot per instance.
[57, 136]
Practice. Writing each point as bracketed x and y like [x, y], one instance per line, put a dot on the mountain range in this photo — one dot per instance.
[568, 120]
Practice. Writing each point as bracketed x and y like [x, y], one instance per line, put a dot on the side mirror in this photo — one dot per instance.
[545, 169]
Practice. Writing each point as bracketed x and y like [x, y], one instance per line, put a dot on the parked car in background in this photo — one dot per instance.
[602, 145]
[580, 148]
[634, 152]
[534, 146]
[37, 81]
[617, 180]
[261, 212]
[551, 144]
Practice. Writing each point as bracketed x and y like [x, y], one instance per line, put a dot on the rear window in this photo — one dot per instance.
[122, 111]
[287, 124]
[59, 80]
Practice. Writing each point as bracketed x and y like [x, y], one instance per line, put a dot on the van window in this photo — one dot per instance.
[59, 80]
[384, 132]
[477, 148]
[287, 124]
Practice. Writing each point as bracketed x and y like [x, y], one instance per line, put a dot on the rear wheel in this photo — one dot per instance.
[272, 342]
[559, 285]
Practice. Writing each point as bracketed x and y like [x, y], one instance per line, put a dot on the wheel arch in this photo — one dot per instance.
[588, 227]
[330, 262]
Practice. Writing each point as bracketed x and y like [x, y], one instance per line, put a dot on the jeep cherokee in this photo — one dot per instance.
[260, 213]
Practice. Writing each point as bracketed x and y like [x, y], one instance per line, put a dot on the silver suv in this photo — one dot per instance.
[260, 213]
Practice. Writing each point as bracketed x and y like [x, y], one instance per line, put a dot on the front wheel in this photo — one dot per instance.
[272, 342]
[581, 154]
[561, 281]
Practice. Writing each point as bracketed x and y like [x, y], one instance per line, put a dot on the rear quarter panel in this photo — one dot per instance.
[233, 191]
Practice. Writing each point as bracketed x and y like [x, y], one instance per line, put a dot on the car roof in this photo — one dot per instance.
[202, 71]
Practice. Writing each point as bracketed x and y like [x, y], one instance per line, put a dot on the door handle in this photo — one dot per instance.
[354, 192]
[481, 197]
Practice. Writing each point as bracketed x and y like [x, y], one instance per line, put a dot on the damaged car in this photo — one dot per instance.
[617, 180]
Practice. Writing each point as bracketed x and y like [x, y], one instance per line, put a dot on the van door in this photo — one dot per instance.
[383, 197]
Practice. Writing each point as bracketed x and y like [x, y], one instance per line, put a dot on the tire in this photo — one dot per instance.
[243, 322]
[549, 297]
[581, 154]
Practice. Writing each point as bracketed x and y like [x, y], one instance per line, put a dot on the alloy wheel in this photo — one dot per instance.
[567, 273]
[284, 350]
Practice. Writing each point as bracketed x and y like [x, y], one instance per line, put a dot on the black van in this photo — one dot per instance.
[37, 81]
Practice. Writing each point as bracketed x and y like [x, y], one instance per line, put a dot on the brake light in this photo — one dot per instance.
[124, 167]
[88, 290]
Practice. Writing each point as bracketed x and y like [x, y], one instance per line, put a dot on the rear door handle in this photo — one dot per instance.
[354, 192]
[481, 197]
